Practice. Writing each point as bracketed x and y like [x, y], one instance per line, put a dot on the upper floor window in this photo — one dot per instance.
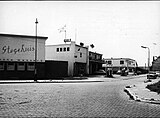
[64, 49]
[60, 49]
[109, 62]
[68, 48]
[121, 62]
[80, 54]
[57, 49]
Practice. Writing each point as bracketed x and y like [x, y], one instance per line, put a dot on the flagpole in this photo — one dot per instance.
[75, 35]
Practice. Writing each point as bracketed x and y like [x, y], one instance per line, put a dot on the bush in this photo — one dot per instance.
[154, 87]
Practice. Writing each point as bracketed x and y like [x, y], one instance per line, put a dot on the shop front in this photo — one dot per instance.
[17, 56]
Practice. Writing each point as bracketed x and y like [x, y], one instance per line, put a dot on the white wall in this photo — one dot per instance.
[21, 49]
[71, 56]
[116, 63]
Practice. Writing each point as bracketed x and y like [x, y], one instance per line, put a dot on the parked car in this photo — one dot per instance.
[152, 75]
[100, 72]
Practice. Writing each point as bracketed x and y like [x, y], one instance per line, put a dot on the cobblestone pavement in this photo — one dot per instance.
[98, 99]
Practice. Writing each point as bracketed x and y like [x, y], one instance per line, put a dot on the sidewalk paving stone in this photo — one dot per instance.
[139, 92]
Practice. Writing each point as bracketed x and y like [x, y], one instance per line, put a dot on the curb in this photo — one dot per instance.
[135, 97]
[63, 81]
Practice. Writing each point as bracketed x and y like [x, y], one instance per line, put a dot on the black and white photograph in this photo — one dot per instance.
[79, 59]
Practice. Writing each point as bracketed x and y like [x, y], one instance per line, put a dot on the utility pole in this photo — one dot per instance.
[148, 57]
[35, 69]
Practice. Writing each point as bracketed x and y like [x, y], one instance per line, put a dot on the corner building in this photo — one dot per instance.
[17, 56]
[77, 57]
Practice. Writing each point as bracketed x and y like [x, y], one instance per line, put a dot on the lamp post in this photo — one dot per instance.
[148, 57]
[35, 69]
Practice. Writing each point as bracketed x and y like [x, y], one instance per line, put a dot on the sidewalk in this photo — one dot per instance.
[63, 80]
[140, 93]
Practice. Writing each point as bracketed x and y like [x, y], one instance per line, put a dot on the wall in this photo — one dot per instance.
[21, 49]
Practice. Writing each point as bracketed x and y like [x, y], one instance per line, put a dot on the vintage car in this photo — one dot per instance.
[152, 75]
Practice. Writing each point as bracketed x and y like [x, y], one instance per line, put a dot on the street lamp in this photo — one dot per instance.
[35, 69]
[148, 57]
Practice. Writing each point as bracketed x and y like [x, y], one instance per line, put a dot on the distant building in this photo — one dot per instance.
[95, 62]
[156, 64]
[120, 63]
[75, 55]
[17, 56]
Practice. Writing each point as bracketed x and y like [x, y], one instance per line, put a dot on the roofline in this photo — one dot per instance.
[64, 45]
[95, 53]
[23, 36]
[118, 59]
[57, 45]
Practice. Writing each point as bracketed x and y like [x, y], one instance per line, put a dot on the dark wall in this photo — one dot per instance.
[56, 69]
[23, 74]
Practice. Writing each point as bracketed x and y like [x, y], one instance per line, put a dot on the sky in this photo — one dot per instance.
[117, 29]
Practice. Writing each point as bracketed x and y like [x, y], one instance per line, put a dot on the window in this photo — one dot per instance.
[30, 66]
[80, 54]
[10, 66]
[21, 66]
[109, 62]
[64, 49]
[1, 66]
[57, 49]
[60, 49]
[68, 48]
[121, 62]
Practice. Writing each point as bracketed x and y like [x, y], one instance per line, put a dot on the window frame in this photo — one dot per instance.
[2, 67]
[30, 66]
[68, 48]
[121, 62]
[57, 49]
[10, 66]
[21, 66]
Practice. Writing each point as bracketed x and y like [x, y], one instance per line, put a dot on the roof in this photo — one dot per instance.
[23, 36]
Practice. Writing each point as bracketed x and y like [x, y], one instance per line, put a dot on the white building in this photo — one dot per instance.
[119, 63]
[17, 55]
[77, 57]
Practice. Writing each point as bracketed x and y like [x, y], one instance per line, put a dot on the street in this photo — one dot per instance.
[92, 99]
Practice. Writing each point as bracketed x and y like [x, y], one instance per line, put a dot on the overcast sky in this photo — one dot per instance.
[117, 29]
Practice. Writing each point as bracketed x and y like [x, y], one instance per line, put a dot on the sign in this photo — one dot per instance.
[67, 40]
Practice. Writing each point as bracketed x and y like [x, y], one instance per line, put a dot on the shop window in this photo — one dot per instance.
[1, 66]
[21, 66]
[57, 49]
[68, 48]
[30, 66]
[64, 49]
[10, 66]
[121, 62]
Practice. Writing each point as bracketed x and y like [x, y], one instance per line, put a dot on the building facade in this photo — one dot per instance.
[75, 55]
[95, 62]
[156, 64]
[120, 63]
[17, 56]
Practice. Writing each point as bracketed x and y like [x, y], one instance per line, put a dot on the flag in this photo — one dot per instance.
[63, 29]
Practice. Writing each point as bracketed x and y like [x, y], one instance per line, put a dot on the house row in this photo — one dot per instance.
[17, 58]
